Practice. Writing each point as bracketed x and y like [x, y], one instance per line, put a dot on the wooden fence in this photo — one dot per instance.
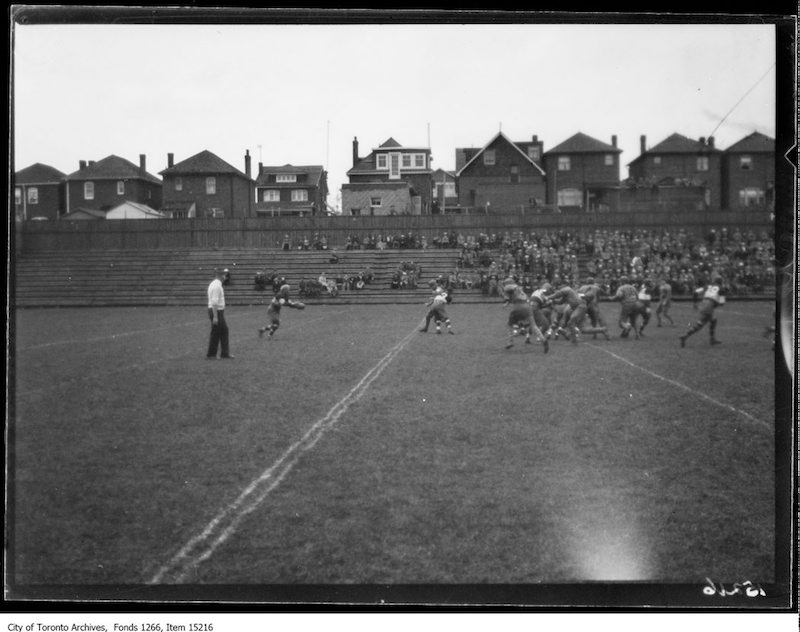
[268, 232]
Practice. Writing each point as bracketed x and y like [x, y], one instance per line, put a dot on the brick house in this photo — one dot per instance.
[502, 176]
[748, 174]
[583, 174]
[391, 180]
[291, 190]
[677, 173]
[106, 183]
[39, 192]
[444, 194]
[204, 185]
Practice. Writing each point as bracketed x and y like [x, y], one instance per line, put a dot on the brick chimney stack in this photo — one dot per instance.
[711, 142]
[142, 163]
[643, 144]
[247, 162]
[614, 140]
[81, 164]
[170, 160]
[355, 150]
[702, 140]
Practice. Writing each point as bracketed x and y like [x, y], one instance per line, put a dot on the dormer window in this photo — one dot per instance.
[406, 161]
[419, 161]
[382, 164]
[286, 177]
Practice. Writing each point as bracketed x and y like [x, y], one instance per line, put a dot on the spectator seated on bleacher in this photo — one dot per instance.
[334, 258]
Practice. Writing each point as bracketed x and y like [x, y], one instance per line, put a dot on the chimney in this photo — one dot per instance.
[260, 168]
[711, 142]
[535, 138]
[142, 163]
[91, 163]
[614, 140]
[247, 162]
[643, 144]
[355, 150]
[170, 160]
[81, 164]
[702, 140]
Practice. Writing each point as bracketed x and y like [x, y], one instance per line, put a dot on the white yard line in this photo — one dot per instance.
[200, 547]
[697, 393]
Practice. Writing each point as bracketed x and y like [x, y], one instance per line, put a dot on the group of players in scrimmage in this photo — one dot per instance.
[567, 312]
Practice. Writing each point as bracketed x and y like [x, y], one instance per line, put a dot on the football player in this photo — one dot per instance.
[278, 301]
[437, 312]
[713, 295]
[628, 297]
[664, 302]
[520, 318]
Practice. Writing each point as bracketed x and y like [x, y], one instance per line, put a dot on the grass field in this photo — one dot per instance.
[352, 449]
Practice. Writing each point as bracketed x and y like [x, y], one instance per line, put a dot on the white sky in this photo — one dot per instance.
[299, 93]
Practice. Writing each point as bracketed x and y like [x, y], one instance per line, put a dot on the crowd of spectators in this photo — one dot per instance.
[685, 259]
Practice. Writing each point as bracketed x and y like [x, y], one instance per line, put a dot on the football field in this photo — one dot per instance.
[352, 449]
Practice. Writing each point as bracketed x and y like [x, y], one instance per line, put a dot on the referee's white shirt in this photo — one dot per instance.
[216, 295]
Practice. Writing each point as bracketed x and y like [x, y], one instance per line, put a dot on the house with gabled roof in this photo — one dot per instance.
[390, 180]
[82, 214]
[583, 174]
[502, 176]
[679, 172]
[106, 183]
[39, 192]
[204, 185]
[291, 190]
[748, 173]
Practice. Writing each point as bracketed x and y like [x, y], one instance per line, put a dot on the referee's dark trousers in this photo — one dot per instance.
[219, 334]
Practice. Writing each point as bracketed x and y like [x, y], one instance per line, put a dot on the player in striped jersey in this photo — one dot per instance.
[713, 295]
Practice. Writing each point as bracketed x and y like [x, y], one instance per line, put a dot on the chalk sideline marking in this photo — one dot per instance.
[223, 525]
[760, 422]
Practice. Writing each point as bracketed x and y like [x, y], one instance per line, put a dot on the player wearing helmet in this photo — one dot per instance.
[437, 312]
[713, 295]
[628, 297]
[278, 301]
[520, 318]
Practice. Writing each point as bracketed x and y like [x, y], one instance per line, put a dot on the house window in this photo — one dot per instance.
[375, 201]
[450, 189]
[179, 184]
[746, 163]
[419, 161]
[286, 178]
[570, 197]
[514, 174]
[88, 190]
[406, 161]
[657, 160]
[299, 195]
[533, 153]
[609, 160]
[216, 213]
[382, 164]
[211, 185]
[33, 195]
[270, 195]
[702, 163]
[355, 211]
[563, 164]
[751, 197]
[17, 196]
[488, 157]
[120, 187]
[394, 166]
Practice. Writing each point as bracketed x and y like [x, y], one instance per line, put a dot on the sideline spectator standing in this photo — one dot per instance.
[216, 312]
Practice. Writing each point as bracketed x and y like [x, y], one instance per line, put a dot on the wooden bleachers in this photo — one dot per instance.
[180, 277]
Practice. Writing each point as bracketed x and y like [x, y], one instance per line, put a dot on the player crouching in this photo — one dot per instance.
[438, 312]
[520, 319]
